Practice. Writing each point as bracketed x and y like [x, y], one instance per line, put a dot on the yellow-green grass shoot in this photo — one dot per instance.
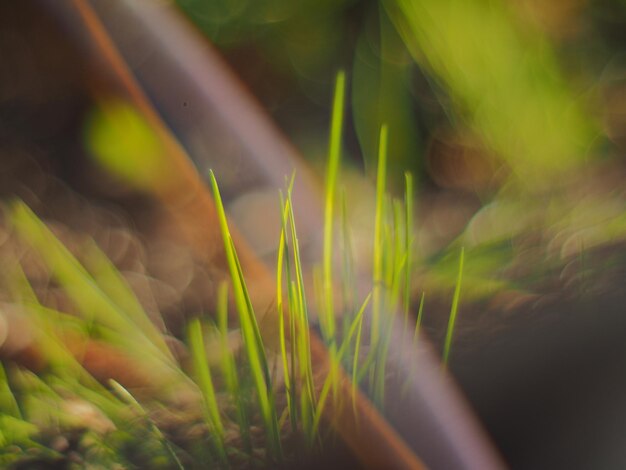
[300, 376]
[347, 280]
[327, 319]
[303, 317]
[453, 311]
[408, 244]
[357, 324]
[393, 265]
[229, 368]
[378, 267]
[253, 344]
[288, 359]
[205, 383]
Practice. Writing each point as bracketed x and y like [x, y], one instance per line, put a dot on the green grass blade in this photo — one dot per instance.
[347, 281]
[353, 328]
[380, 263]
[355, 360]
[408, 244]
[204, 380]
[253, 336]
[304, 359]
[334, 158]
[229, 368]
[250, 330]
[287, 358]
[378, 266]
[453, 311]
[321, 403]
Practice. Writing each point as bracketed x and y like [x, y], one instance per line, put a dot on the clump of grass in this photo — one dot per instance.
[297, 362]
[255, 351]
[110, 312]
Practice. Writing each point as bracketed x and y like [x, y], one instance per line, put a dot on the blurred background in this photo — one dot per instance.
[450, 78]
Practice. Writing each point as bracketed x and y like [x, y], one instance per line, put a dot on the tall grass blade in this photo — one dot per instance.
[408, 244]
[253, 344]
[205, 383]
[332, 171]
[229, 368]
[378, 266]
[288, 359]
[304, 359]
[347, 281]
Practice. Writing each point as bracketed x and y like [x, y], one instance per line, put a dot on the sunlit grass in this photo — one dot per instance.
[228, 367]
[297, 364]
[205, 383]
[253, 343]
[110, 313]
[379, 224]
[332, 174]
[118, 318]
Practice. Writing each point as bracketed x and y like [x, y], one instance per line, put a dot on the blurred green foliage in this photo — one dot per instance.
[505, 83]
[121, 140]
[521, 76]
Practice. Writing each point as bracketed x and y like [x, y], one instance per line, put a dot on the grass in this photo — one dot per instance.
[234, 392]
[453, 311]
[297, 362]
[228, 367]
[377, 270]
[332, 173]
[203, 378]
[253, 343]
